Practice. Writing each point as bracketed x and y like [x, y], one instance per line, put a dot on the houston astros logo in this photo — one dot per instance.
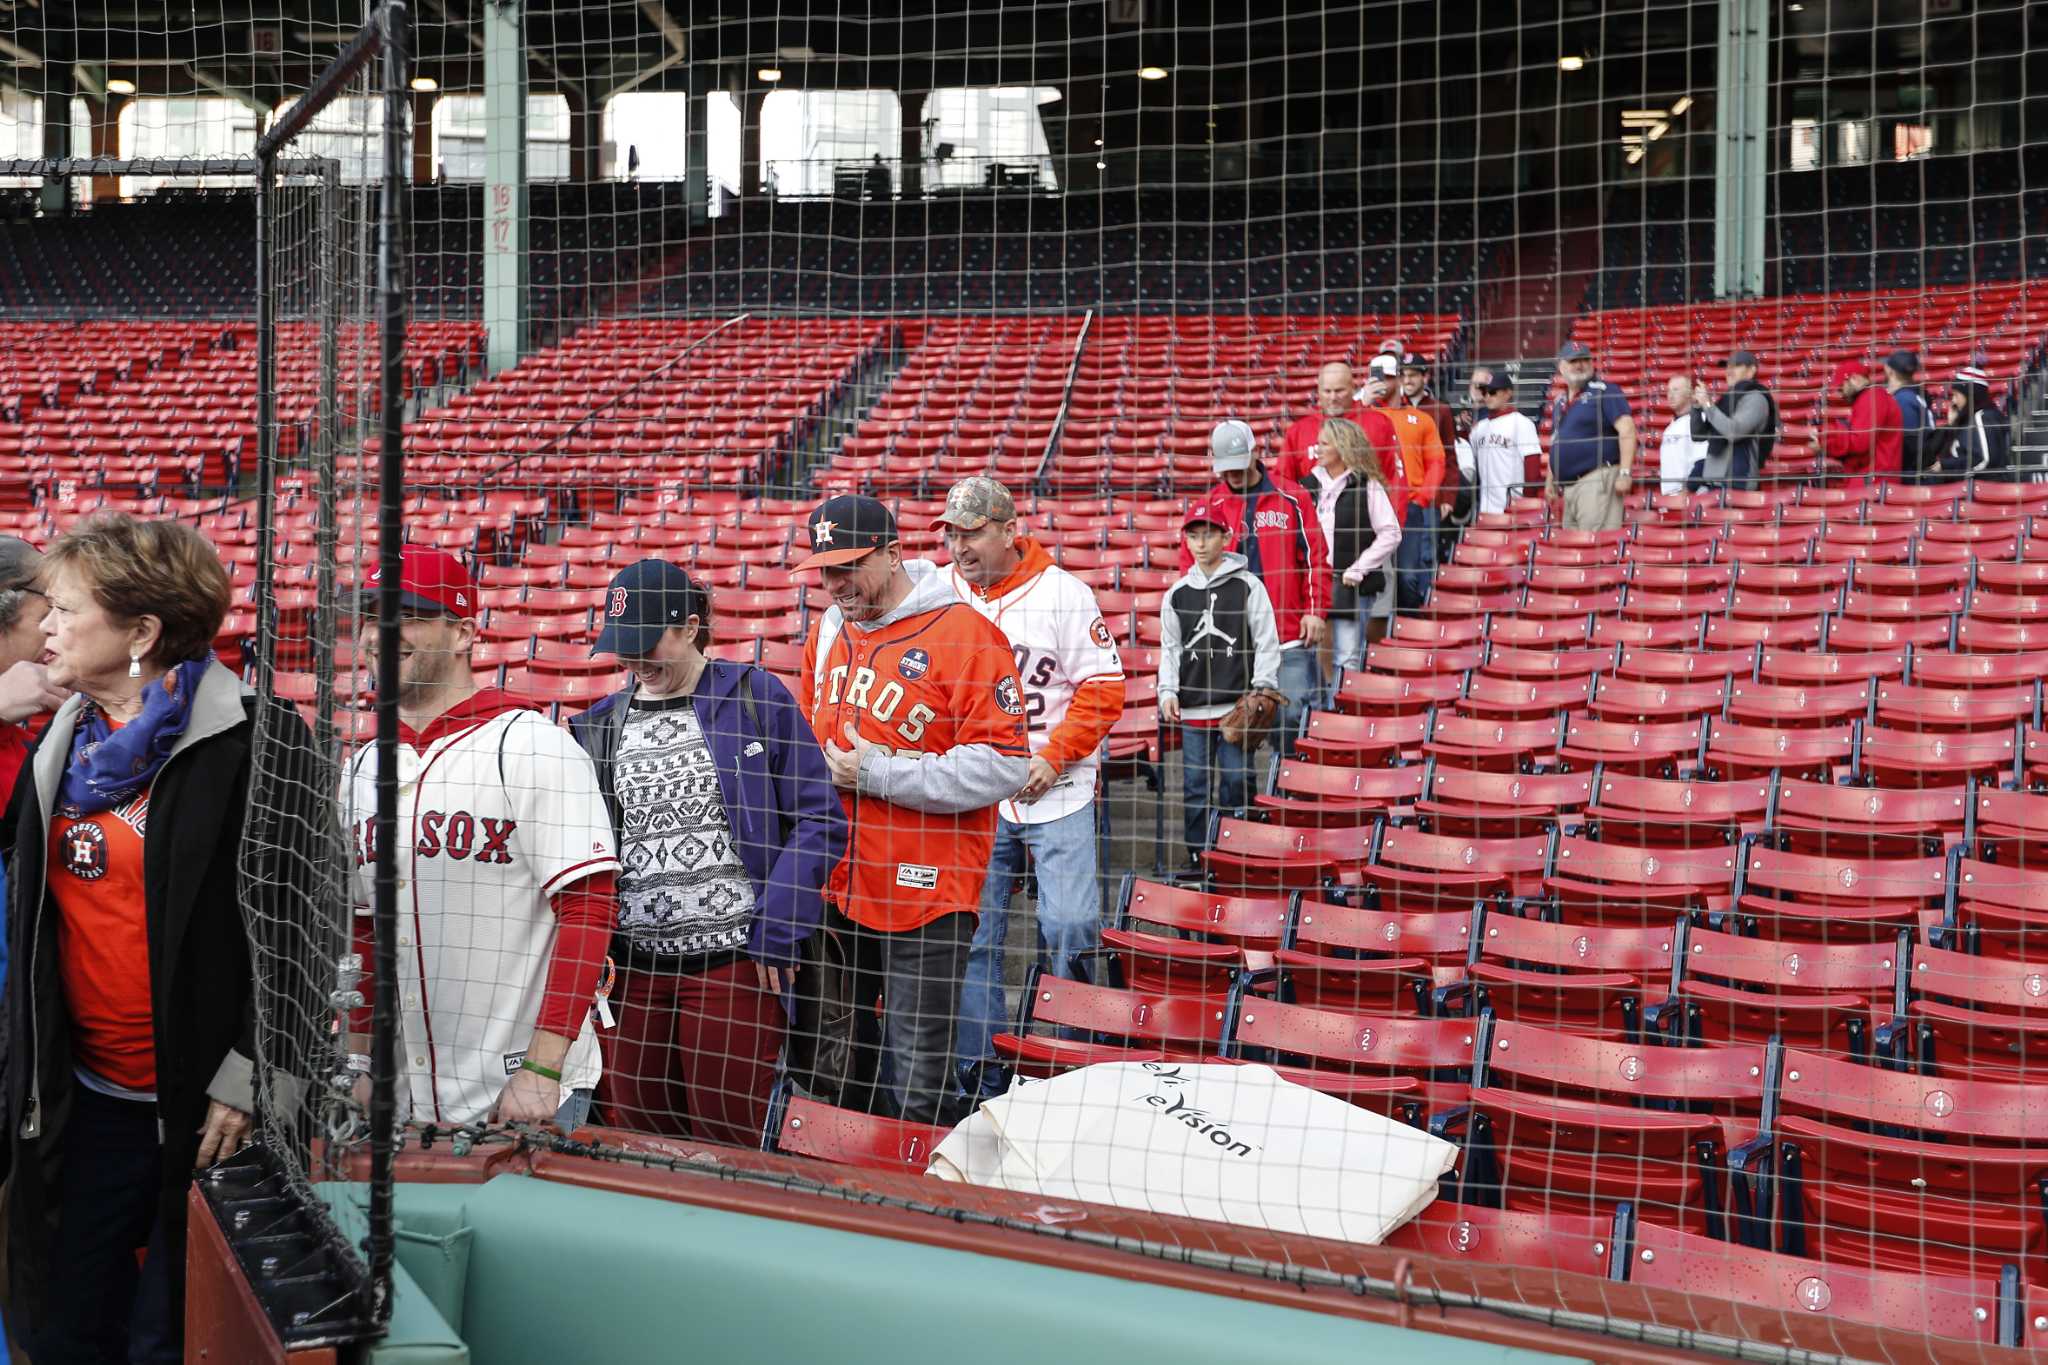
[85, 852]
[1099, 633]
[821, 533]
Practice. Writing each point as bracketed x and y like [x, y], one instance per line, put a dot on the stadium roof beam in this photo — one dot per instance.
[476, 40]
[241, 95]
[20, 55]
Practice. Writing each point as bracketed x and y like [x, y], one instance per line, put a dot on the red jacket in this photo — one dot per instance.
[1295, 462]
[1293, 562]
[1872, 441]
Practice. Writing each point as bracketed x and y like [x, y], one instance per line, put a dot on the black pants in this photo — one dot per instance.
[903, 1061]
[99, 1306]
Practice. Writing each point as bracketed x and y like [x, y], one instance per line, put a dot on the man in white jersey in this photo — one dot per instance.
[1502, 444]
[1073, 693]
[505, 877]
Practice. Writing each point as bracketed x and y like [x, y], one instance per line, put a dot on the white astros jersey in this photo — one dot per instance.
[1059, 639]
[494, 817]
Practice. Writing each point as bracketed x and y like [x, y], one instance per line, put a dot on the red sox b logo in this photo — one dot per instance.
[617, 606]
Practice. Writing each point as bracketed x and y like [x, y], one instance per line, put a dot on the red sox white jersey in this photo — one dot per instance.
[1060, 641]
[497, 811]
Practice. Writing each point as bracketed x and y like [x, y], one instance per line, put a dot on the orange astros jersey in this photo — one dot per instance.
[923, 684]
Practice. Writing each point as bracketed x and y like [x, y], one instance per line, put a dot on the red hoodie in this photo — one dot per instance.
[1871, 443]
[1293, 563]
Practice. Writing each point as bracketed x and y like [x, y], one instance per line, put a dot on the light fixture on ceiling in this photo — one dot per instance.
[118, 86]
[426, 85]
[1635, 154]
[1573, 62]
[1102, 165]
[1658, 129]
[1048, 95]
[1796, 9]
[770, 74]
[1683, 103]
[1098, 142]
[1151, 73]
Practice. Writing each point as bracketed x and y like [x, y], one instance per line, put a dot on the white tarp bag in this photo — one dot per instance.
[1235, 1144]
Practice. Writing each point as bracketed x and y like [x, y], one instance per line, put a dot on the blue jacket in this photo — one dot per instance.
[788, 824]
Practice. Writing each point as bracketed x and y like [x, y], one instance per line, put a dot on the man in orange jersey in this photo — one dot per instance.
[1073, 693]
[917, 702]
[1422, 456]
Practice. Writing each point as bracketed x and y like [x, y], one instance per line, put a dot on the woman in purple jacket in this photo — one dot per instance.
[727, 825]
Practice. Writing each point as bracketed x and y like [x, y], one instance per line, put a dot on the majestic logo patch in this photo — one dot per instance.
[1008, 697]
[917, 876]
[914, 664]
[1099, 633]
[85, 852]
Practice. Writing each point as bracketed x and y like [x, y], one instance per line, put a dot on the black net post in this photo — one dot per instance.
[391, 27]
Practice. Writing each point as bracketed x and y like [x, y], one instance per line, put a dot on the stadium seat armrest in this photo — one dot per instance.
[1450, 1122]
[1750, 1187]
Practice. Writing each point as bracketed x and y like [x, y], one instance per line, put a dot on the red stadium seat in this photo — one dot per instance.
[1325, 795]
[1972, 1016]
[1493, 805]
[1604, 883]
[1580, 978]
[1140, 1026]
[1868, 822]
[1652, 812]
[1825, 996]
[1209, 935]
[799, 1126]
[1399, 1064]
[1834, 898]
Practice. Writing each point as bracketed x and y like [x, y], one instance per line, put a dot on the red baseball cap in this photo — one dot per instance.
[1209, 510]
[1848, 370]
[429, 580]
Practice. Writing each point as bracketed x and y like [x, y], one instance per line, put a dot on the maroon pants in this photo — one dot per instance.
[693, 1056]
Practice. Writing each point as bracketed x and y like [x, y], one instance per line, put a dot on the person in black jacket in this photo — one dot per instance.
[133, 1026]
[1976, 443]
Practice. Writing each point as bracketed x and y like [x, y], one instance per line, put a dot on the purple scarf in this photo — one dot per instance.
[108, 766]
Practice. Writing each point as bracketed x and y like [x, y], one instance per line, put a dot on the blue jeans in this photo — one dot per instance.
[575, 1111]
[1206, 760]
[1415, 558]
[1347, 646]
[1069, 919]
[1301, 678]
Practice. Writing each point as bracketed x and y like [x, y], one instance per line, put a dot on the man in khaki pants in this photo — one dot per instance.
[1592, 445]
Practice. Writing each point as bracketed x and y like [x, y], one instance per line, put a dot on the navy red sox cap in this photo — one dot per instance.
[847, 528]
[644, 600]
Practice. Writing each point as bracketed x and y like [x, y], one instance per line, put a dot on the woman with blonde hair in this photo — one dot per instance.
[1364, 527]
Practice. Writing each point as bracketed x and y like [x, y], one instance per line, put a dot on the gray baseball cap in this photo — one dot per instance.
[1232, 446]
[976, 501]
[1574, 350]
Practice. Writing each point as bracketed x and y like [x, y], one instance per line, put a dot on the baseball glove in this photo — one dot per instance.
[1253, 715]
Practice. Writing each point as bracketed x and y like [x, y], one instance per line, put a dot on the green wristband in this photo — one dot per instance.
[528, 1064]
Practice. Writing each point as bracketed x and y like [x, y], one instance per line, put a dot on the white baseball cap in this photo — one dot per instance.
[1232, 446]
[1386, 366]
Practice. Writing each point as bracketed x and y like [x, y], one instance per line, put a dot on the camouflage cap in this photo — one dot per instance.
[976, 501]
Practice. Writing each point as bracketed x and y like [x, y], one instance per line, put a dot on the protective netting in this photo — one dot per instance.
[1654, 863]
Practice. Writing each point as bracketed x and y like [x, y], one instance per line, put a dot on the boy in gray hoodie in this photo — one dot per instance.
[1218, 641]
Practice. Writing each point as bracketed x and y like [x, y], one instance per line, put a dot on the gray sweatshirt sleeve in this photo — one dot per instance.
[1747, 420]
[1169, 647]
[965, 777]
[1265, 638]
